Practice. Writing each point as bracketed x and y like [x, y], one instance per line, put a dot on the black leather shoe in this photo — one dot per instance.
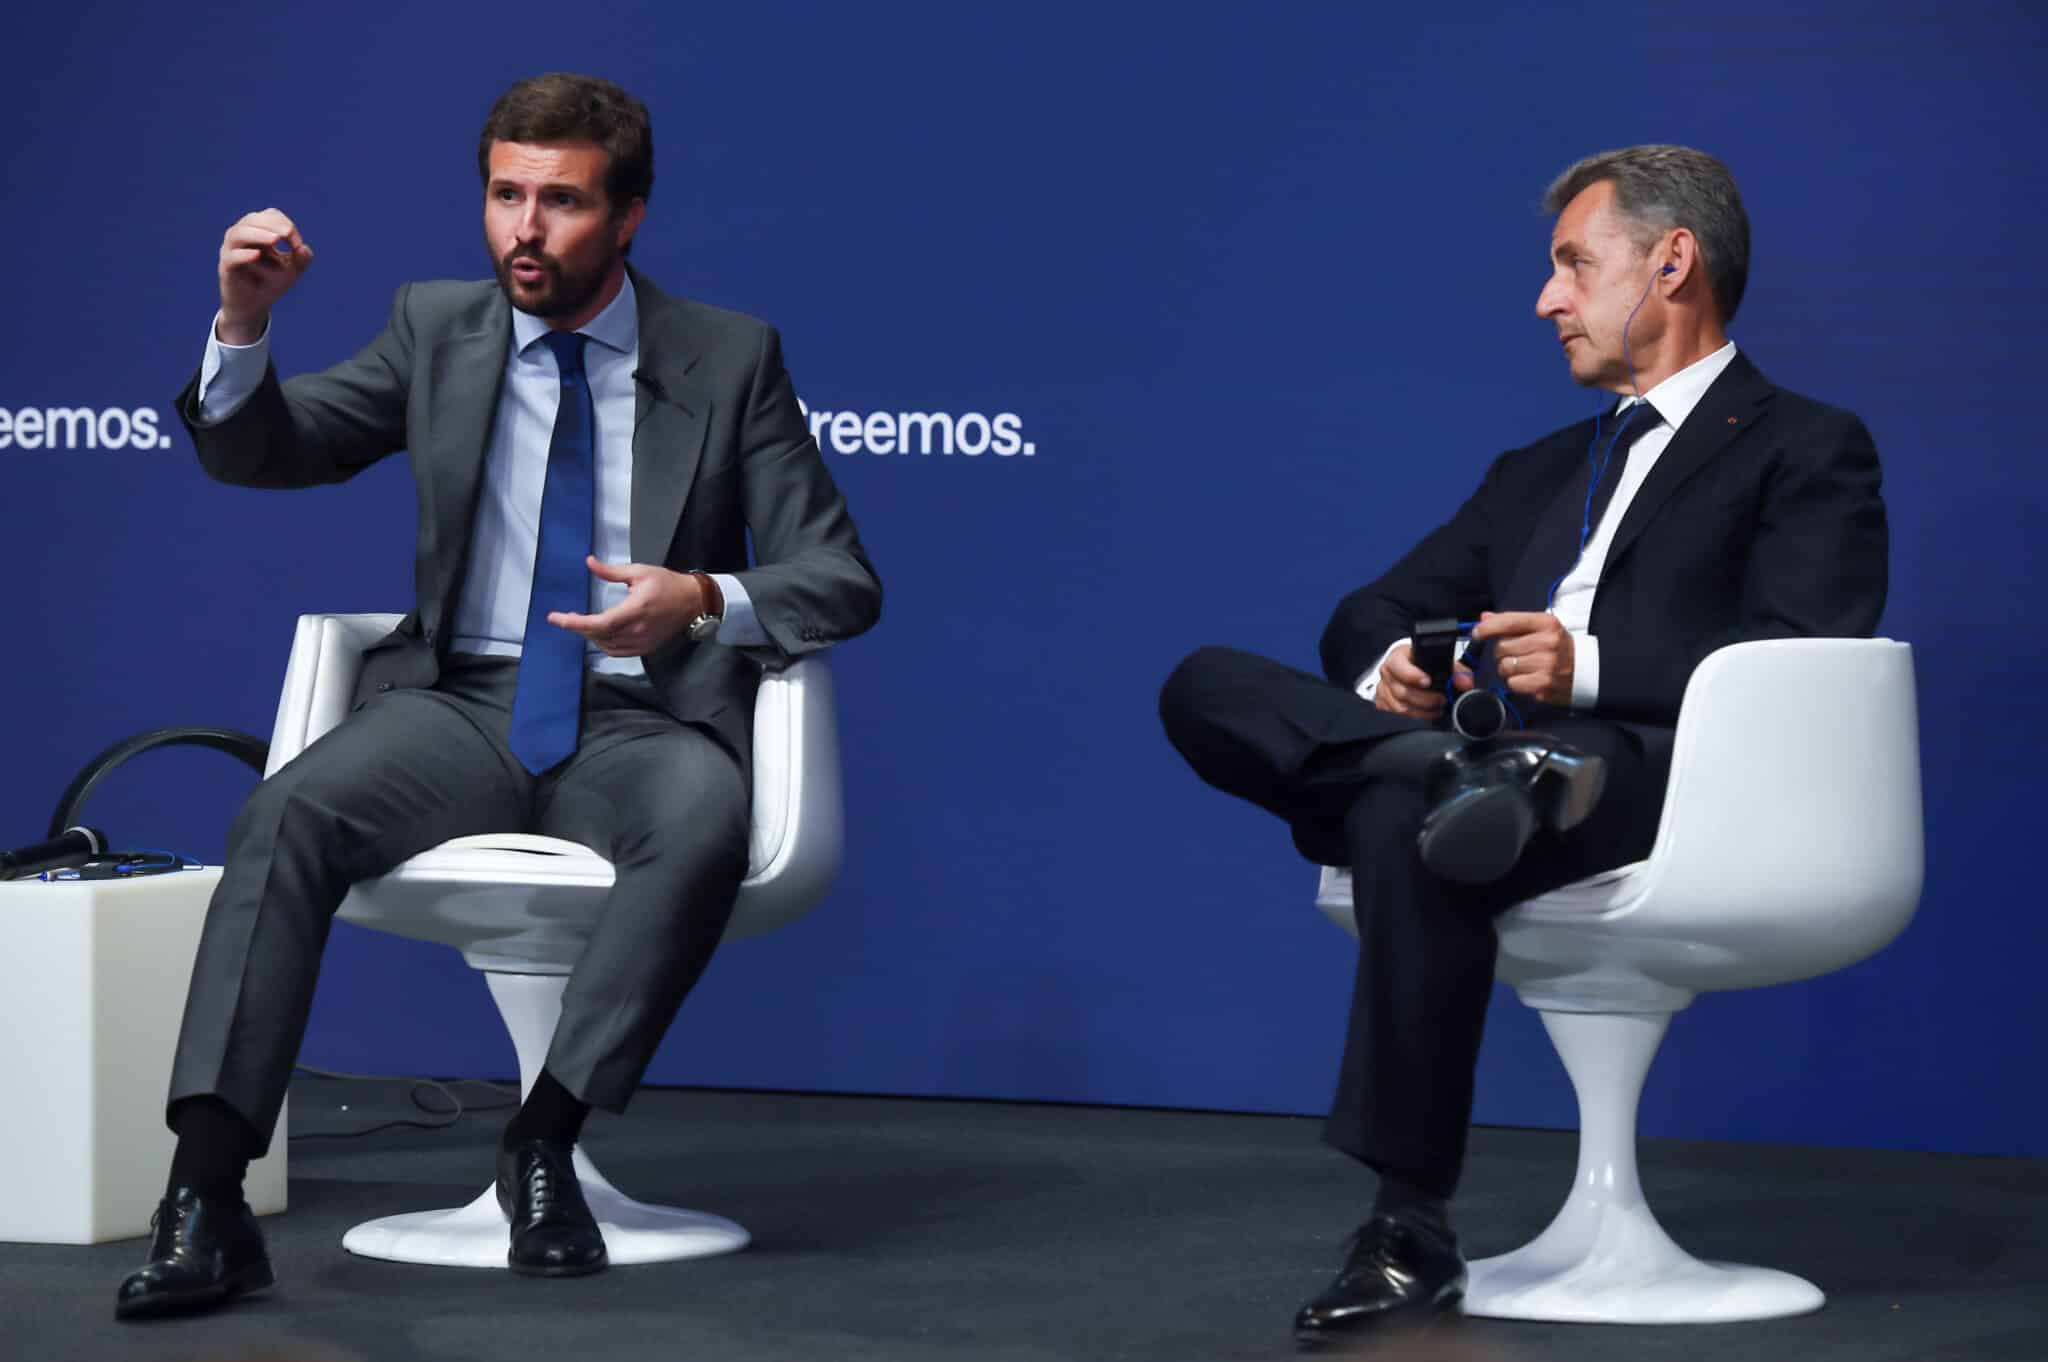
[206, 1251]
[553, 1231]
[1481, 815]
[1488, 799]
[1401, 1270]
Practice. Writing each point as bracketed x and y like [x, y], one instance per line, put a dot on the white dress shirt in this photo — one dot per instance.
[1572, 603]
[490, 617]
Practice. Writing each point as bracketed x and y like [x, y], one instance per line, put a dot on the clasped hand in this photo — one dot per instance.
[1532, 654]
[659, 604]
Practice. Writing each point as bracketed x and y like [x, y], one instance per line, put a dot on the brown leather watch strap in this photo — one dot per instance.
[714, 599]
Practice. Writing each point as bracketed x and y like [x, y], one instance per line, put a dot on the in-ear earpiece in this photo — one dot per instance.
[1669, 269]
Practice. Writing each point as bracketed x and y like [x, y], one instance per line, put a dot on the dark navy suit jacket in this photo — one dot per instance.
[1761, 519]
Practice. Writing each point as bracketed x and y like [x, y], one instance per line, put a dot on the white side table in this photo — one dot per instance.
[92, 988]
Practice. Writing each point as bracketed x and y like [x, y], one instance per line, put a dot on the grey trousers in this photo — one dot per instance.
[667, 804]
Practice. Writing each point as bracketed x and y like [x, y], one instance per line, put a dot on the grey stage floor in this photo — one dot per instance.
[924, 1230]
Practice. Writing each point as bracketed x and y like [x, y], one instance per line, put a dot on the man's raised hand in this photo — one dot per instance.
[261, 257]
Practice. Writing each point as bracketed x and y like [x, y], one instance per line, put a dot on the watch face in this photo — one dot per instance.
[703, 627]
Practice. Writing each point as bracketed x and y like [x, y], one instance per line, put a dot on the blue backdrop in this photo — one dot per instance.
[1257, 288]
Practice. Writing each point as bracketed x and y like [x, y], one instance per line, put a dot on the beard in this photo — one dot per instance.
[561, 293]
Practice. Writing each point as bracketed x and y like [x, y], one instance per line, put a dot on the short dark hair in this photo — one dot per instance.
[561, 107]
[1657, 188]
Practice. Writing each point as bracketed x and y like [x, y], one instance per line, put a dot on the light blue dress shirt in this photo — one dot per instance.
[490, 617]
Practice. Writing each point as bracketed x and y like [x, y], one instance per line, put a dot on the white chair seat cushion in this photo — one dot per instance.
[509, 857]
[528, 858]
[1595, 896]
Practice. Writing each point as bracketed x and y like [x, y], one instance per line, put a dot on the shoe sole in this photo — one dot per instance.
[1569, 790]
[1478, 837]
[251, 1279]
[563, 1270]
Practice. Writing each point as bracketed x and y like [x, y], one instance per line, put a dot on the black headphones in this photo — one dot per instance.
[74, 851]
[251, 750]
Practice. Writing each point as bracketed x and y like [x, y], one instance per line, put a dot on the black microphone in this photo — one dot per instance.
[651, 383]
[75, 846]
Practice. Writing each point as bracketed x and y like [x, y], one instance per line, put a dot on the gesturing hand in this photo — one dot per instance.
[659, 604]
[1534, 654]
[261, 257]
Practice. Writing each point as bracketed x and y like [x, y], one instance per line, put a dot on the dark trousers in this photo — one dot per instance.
[1301, 749]
[667, 804]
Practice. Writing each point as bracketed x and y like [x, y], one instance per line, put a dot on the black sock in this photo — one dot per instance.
[215, 1145]
[1400, 1196]
[550, 1112]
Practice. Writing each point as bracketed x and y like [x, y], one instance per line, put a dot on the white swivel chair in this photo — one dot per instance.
[1790, 845]
[520, 908]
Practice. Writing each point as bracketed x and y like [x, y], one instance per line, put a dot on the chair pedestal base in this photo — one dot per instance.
[477, 1235]
[1605, 1259]
[1630, 1272]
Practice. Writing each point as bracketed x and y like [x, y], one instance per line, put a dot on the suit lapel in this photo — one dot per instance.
[671, 413]
[467, 372]
[1725, 411]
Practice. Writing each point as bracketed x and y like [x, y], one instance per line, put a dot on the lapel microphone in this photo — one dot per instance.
[74, 846]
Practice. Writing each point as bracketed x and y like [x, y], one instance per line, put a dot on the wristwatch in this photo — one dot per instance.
[704, 628]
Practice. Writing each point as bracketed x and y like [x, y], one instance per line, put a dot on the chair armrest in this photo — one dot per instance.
[1795, 782]
[799, 817]
[320, 679]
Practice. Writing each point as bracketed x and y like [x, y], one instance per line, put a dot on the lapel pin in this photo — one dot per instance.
[1731, 420]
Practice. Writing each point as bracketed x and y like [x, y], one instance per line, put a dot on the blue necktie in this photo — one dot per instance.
[547, 708]
[1567, 524]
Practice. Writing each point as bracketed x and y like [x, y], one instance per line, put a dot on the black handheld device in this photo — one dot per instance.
[1433, 646]
[1477, 714]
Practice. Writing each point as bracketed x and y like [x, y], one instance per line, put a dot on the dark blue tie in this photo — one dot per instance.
[1568, 524]
[547, 708]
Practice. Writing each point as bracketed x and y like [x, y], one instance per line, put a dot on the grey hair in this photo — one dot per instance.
[1657, 188]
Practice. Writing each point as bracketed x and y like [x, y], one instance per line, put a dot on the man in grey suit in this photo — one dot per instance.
[591, 456]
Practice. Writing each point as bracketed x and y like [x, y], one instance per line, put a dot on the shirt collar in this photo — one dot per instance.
[615, 328]
[1677, 395]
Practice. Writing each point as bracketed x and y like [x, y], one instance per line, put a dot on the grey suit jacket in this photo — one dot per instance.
[720, 448]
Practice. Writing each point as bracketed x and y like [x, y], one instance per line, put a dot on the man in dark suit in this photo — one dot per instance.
[1601, 563]
[591, 457]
